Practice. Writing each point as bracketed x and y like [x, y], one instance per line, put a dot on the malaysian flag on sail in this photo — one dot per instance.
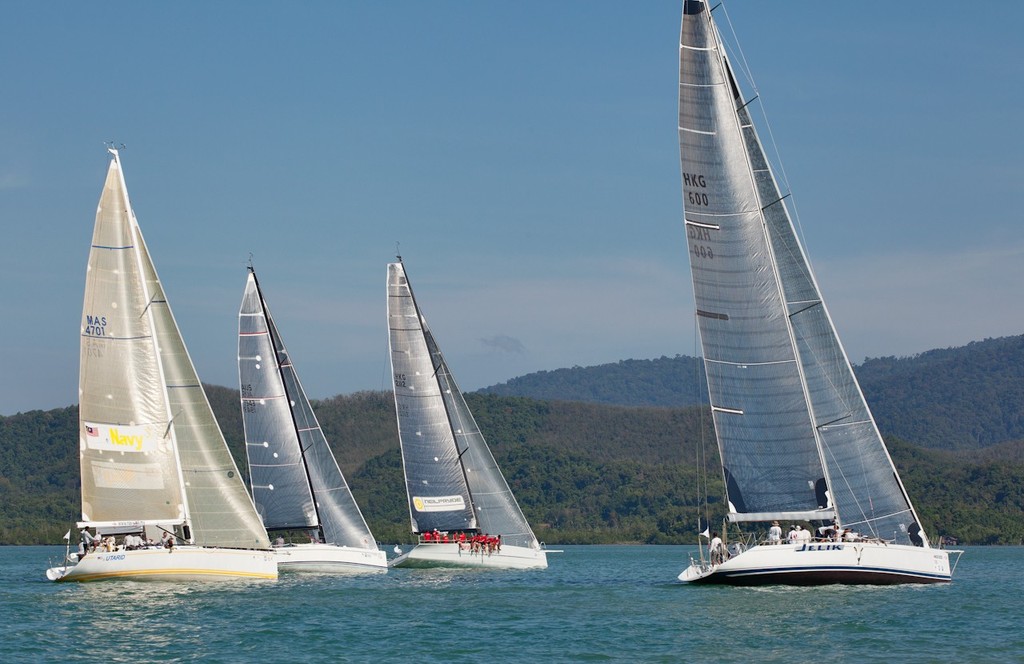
[92, 431]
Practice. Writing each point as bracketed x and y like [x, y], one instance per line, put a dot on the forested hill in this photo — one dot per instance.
[667, 381]
[954, 398]
[581, 472]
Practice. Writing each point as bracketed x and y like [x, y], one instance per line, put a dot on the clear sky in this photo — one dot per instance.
[525, 156]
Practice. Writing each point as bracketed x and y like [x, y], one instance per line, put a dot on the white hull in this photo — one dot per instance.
[181, 563]
[819, 563]
[328, 558]
[450, 555]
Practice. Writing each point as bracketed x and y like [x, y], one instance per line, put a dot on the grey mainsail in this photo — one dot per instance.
[796, 437]
[296, 481]
[151, 450]
[452, 479]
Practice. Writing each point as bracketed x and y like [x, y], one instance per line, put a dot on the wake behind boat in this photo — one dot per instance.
[797, 441]
[155, 467]
[296, 481]
[456, 492]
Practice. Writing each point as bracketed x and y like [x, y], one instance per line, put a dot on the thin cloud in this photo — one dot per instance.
[9, 181]
[504, 343]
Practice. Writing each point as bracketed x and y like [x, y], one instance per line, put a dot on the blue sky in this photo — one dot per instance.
[524, 155]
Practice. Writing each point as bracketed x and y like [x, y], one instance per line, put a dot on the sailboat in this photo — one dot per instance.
[296, 481]
[154, 463]
[460, 505]
[797, 441]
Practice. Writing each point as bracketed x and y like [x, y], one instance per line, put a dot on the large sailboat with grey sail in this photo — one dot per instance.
[154, 464]
[797, 441]
[296, 482]
[462, 509]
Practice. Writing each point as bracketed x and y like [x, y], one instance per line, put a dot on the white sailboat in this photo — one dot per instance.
[797, 441]
[456, 491]
[296, 481]
[153, 460]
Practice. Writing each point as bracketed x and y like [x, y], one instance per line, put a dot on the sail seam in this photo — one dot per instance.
[748, 364]
[109, 338]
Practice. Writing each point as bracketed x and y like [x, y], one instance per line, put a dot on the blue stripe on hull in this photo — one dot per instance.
[817, 576]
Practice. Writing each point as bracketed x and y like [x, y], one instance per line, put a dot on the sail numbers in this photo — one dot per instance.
[248, 403]
[399, 380]
[95, 326]
[695, 181]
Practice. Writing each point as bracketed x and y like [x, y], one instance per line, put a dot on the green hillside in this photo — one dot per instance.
[582, 472]
[955, 398]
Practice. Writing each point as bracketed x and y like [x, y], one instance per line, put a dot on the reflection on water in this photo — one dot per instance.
[600, 603]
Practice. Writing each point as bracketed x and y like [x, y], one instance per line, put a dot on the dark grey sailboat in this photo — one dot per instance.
[296, 482]
[454, 486]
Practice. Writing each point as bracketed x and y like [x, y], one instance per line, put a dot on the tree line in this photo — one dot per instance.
[582, 472]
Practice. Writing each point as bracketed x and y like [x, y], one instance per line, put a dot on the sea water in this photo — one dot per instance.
[593, 603]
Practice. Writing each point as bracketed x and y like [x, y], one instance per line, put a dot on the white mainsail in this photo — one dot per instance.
[796, 437]
[150, 449]
[296, 481]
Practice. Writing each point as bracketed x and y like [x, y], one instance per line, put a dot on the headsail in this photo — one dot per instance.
[295, 478]
[795, 434]
[445, 456]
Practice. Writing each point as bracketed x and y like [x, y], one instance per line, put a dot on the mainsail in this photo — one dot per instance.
[151, 450]
[796, 437]
[452, 480]
[296, 481]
